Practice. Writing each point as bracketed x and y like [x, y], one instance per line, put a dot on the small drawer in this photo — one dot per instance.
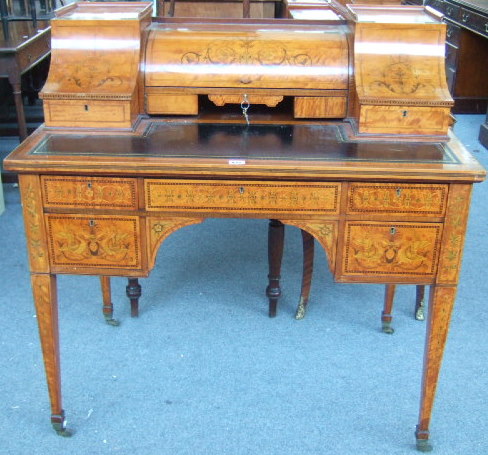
[93, 242]
[474, 21]
[453, 34]
[438, 5]
[452, 11]
[320, 106]
[241, 196]
[389, 249]
[87, 113]
[89, 192]
[404, 120]
[34, 51]
[400, 199]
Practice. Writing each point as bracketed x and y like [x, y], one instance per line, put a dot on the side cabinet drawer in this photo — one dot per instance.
[241, 196]
[401, 199]
[403, 249]
[93, 242]
[89, 192]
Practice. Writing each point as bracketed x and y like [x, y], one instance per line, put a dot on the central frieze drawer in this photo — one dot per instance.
[244, 196]
[402, 249]
[93, 241]
[89, 192]
[411, 199]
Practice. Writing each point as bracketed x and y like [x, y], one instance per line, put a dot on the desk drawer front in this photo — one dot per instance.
[407, 199]
[404, 119]
[230, 196]
[93, 242]
[402, 249]
[34, 51]
[89, 192]
[89, 113]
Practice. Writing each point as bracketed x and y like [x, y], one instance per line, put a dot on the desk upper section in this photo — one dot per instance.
[380, 67]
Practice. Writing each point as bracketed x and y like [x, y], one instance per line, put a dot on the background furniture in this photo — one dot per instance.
[466, 52]
[25, 47]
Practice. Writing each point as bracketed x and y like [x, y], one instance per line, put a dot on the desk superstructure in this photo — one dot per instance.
[337, 126]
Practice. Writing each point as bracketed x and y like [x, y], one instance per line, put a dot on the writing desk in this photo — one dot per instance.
[385, 212]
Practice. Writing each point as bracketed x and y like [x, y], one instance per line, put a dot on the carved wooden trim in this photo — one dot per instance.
[158, 229]
[326, 232]
[454, 233]
[222, 100]
[34, 223]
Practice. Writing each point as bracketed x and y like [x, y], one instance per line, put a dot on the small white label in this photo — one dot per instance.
[237, 162]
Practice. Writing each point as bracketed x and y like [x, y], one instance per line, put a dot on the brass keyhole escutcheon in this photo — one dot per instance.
[89, 184]
[91, 223]
[87, 108]
[241, 190]
[393, 230]
[398, 192]
[404, 113]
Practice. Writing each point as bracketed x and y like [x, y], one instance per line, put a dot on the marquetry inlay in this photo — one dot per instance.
[158, 229]
[391, 249]
[454, 233]
[89, 192]
[397, 198]
[241, 196]
[100, 241]
[324, 231]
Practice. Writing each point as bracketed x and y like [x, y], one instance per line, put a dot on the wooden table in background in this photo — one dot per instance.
[24, 49]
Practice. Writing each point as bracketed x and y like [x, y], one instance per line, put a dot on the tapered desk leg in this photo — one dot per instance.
[108, 307]
[276, 237]
[45, 299]
[386, 316]
[441, 302]
[307, 272]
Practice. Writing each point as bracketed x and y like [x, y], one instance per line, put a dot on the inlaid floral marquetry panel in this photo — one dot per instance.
[241, 196]
[90, 192]
[454, 233]
[34, 225]
[391, 249]
[397, 198]
[101, 241]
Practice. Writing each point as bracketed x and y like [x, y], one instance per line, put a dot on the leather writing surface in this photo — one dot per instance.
[233, 141]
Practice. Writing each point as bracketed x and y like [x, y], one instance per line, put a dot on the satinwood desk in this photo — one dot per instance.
[102, 203]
